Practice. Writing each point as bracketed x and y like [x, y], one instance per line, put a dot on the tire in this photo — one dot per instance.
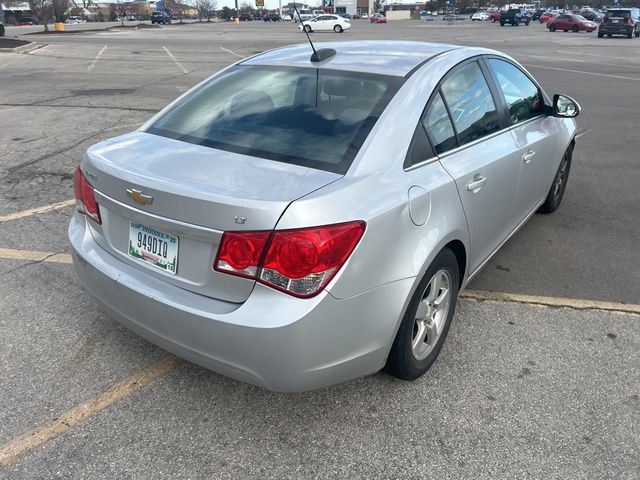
[559, 185]
[552, 28]
[575, 29]
[630, 35]
[502, 24]
[609, 35]
[337, 29]
[307, 28]
[423, 320]
[600, 35]
[493, 20]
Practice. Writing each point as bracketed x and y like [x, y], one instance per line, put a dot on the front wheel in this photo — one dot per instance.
[600, 35]
[307, 28]
[427, 320]
[556, 192]
[337, 29]
[575, 29]
[552, 28]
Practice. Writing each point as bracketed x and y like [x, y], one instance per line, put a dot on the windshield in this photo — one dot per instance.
[311, 117]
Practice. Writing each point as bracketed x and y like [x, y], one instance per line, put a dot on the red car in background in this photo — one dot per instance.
[378, 18]
[495, 16]
[575, 23]
[545, 17]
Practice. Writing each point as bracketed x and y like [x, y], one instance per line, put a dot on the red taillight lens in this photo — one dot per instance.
[300, 262]
[240, 253]
[85, 198]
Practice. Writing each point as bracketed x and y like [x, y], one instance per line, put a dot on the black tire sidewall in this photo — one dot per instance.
[552, 203]
[401, 363]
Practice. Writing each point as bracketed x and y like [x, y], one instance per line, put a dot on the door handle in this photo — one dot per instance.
[476, 184]
[527, 157]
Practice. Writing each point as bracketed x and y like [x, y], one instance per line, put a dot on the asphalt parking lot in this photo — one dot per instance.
[539, 377]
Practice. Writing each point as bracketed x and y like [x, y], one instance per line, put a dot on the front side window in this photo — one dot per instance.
[521, 94]
[305, 116]
[470, 103]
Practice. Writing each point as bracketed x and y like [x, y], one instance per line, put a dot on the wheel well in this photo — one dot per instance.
[457, 247]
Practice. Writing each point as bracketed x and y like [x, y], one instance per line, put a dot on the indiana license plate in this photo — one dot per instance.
[153, 247]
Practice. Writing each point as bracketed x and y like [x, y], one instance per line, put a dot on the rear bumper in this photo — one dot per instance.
[272, 340]
[615, 30]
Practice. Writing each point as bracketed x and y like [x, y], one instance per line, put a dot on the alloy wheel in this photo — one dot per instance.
[431, 315]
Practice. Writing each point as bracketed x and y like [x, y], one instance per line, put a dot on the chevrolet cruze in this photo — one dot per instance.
[304, 218]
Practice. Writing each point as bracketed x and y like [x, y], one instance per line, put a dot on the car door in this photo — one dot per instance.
[534, 132]
[466, 129]
[322, 23]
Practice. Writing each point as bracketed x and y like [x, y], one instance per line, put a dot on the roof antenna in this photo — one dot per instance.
[317, 55]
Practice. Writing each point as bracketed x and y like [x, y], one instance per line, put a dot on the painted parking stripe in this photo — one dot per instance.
[583, 72]
[574, 303]
[34, 256]
[584, 132]
[175, 60]
[95, 60]
[14, 449]
[35, 211]
[232, 52]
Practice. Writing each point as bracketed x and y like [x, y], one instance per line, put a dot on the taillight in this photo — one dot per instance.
[85, 198]
[300, 262]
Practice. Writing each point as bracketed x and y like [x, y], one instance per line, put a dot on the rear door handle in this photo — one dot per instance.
[527, 157]
[476, 184]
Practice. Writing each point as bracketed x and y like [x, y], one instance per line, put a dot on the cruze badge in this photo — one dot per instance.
[139, 197]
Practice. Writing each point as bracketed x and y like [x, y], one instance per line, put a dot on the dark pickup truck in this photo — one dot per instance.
[515, 17]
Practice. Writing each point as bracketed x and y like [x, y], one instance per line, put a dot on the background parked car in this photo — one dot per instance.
[326, 23]
[495, 16]
[245, 17]
[160, 16]
[591, 14]
[575, 23]
[1, 30]
[515, 17]
[545, 17]
[272, 17]
[378, 18]
[480, 15]
[620, 21]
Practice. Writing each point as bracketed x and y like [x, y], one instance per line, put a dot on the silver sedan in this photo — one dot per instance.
[304, 218]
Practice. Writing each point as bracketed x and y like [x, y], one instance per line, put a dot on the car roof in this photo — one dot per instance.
[396, 58]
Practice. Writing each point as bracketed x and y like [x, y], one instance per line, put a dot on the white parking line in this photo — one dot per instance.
[232, 52]
[35, 211]
[583, 72]
[583, 133]
[175, 60]
[95, 60]
[34, 52]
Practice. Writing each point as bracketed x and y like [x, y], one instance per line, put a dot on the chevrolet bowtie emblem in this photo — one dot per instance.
[139, 197]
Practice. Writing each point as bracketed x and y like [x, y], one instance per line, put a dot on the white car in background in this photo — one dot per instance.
[326, 23]
[286, 17]
[74, 20]
[480, 15]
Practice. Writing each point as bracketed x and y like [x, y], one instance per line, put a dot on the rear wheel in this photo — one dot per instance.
[576, 28]
[600, 35]
[552, 28]
[630, 35]
[427, 320]
[337, 29]
[556, 192]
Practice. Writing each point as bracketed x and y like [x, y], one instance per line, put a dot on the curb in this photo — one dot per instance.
[22, 48]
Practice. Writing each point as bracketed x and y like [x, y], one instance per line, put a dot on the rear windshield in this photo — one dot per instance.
[311, 117]
[618, 14]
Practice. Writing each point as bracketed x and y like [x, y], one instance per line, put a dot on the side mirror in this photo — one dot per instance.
[565, 106]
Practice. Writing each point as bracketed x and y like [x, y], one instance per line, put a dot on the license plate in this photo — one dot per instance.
[153, 247]
[614, 21]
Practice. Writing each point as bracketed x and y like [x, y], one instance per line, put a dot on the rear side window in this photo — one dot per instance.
[470, 103]
[619, 13]
[311, 117]
[521, 94]
[438, 126]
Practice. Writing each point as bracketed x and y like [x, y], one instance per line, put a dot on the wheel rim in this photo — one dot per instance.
[559, 182]
[431, 315]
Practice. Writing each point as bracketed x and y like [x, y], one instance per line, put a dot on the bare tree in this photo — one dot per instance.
[39, 10]
[59, 8]
[206, 8]
[82, 3]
